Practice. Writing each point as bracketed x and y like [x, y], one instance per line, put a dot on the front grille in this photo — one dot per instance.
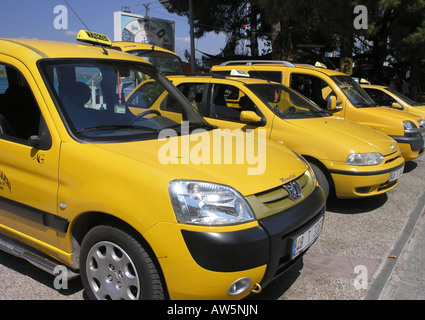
[277, 199]
[279, 193]
[387, 185]
[392, 157]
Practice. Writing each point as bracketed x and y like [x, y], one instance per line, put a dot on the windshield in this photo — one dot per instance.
[285, 102]
[92, 98]
[164, 61]
[356, 94]
[404, 98]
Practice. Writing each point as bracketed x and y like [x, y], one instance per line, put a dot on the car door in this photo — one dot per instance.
[28, 176]
[315, 89]
[222, 104]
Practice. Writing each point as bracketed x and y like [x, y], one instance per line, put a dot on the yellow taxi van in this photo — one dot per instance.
[83, 183]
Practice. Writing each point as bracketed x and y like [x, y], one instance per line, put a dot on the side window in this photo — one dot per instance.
[275, 76]
[312, 87]
[4, 84]
[228, 102]
[380, 97]
[192, 91]
[19, 112]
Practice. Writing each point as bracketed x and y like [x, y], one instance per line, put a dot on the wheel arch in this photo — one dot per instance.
[85, 222]
[325, 171]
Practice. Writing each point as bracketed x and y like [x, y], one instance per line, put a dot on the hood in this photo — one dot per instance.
[385, 116]
[347, 136]
[254, 165]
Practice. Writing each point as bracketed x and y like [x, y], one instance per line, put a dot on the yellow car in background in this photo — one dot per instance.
[88, 185]
[338, 93]
[165, 60]
[388, 97]
[348, 159]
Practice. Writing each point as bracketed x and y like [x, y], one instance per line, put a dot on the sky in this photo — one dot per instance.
[35, 19]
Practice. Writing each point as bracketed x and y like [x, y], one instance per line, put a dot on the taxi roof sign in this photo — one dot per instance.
[93, 38]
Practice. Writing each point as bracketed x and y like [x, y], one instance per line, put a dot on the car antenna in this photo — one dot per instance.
[81, 20]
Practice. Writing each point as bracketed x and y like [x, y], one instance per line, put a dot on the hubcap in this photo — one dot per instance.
[111, 273]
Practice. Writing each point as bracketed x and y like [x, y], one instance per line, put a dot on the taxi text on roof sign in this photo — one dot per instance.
[93, 38]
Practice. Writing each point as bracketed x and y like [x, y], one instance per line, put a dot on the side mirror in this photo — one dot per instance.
[39, 143]
[333, 104]
[42, 141]
[250, 116]
[396, 105]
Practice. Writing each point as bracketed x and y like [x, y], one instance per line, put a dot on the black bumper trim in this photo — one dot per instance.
[416, 142]
[250, 248]
[370, 173]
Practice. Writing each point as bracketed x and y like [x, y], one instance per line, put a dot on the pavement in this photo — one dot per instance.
[369, 249]
[403, 277]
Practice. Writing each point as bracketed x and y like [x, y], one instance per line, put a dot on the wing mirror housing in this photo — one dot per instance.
[333, 104]
[396, 105]
[250, 116]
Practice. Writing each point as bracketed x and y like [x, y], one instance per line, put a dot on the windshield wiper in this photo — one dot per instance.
[118, 127]
[321, 113]
[192, 126]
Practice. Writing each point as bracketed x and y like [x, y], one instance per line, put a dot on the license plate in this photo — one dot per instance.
[303, 241]
[396, 174]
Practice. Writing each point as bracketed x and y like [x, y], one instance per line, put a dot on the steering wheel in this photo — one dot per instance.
[144, 113]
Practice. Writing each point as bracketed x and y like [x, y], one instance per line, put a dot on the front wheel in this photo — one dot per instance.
[115, 266]
[321, 177]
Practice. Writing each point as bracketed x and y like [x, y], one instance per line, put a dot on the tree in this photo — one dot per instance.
[214, 16]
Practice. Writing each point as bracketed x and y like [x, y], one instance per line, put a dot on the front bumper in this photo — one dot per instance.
[353, 184]
[269, 243]
[411, 146]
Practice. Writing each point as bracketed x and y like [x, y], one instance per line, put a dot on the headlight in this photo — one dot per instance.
[205, 203]
[409, 125]
[364, 159]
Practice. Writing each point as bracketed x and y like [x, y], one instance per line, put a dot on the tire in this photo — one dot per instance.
[115, 266]
[321, 177]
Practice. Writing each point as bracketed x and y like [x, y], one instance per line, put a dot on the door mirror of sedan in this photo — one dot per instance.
[396, 105]
[333, 104]
[250, 116]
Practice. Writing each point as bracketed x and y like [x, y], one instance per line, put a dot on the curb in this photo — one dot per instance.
[383, 274]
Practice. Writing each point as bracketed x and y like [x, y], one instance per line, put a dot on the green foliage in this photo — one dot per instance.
[395, 33]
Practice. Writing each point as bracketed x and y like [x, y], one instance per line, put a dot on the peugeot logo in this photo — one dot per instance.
[392, 147]
[294, 190]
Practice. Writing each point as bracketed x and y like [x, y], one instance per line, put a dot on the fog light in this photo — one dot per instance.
[239, 286]
[363, 189]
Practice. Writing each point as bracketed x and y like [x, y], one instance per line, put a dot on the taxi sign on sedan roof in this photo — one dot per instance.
[93, 38]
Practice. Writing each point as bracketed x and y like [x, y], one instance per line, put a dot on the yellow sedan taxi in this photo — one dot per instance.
[339, 94]
[121, 200]
[348, 159]
[388, 97]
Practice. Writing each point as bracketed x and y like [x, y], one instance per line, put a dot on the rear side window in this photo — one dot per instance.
[19, 112]
[4, 84]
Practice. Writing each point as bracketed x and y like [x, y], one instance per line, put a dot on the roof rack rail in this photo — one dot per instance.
[252, 62]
